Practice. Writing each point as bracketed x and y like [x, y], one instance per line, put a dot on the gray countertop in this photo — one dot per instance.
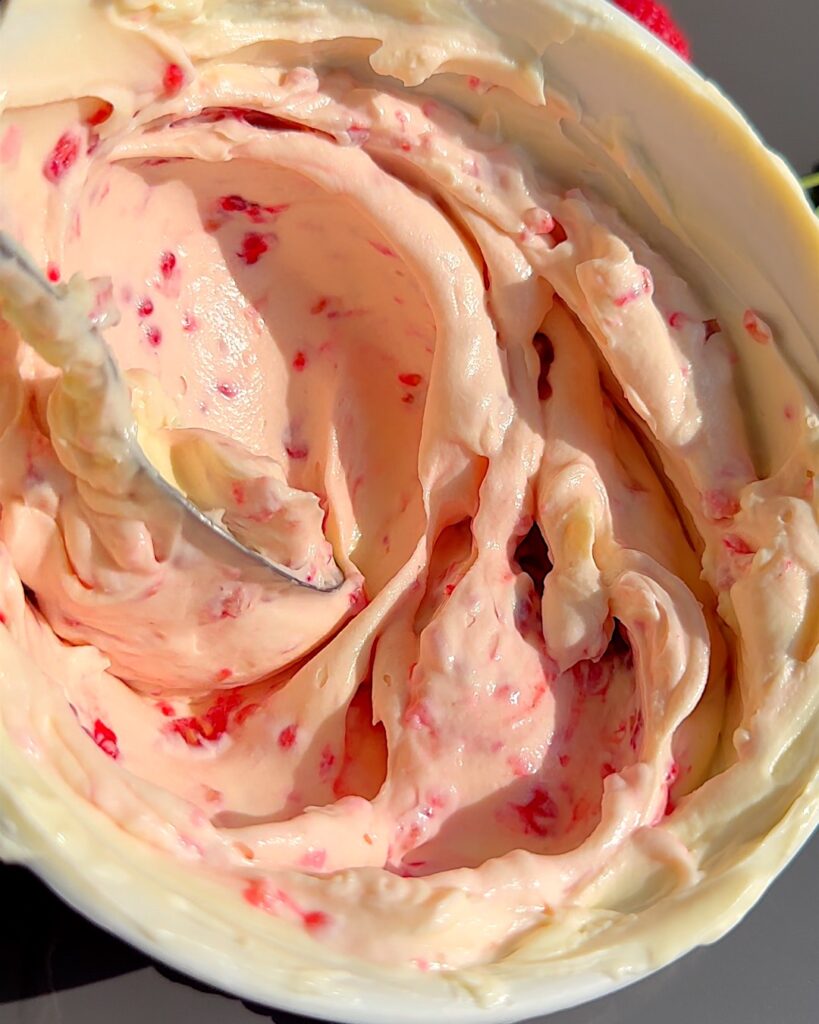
[58, 969]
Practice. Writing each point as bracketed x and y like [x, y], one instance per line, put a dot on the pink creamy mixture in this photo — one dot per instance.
[479, 378]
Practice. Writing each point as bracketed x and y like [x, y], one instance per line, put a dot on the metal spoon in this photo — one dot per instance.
[55, 323]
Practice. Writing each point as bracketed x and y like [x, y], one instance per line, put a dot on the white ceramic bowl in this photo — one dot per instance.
[691, 175]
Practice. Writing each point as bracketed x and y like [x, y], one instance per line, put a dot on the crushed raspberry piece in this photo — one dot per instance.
[257, 895]
[173, 79]
[223, 675]
[166, 709]
[100, 115]
[314, 859]
[244, 713]
[296, 451]
[167, 262]
[227, 389]
[145, 307]
[53, 272]
[538, 813]
[105, 738]
[327, 761]
[153, 335]
[315, 919]
[287, 737]
[657, 20]
[737, 545]
[712, 327]
[299, 361]
[189, 322]
[196, 730]
[254, 246]
[62, 157]
[411, 380]
[385, 250]
[407, 398]
[756, 327]
[233, 204]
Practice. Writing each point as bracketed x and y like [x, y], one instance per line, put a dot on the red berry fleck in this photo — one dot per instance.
[756, 327]
[189, 322]
[227, 389]
[314, 859]
[153, 335]
[100, 115]
[295, 452]
[314, 919]
[256, 894]
[411, 380]
[408, 398]
[253, 248]
[558, 233]
[712, 327]
[299, 361]
[145, 307]
[737, 545]
[287, 737]
[244, 713]
[53, 272]
[209, 727]
[166, 709]
[106, 739]
[62, 157]
[167, 262]
[657, 19]
[233, 204]
[223, 675]
[385, 250]
[319, 306]
[328, 759]
[173, 79]
[538, 813]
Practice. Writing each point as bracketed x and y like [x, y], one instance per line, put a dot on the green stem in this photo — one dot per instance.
[811, 181]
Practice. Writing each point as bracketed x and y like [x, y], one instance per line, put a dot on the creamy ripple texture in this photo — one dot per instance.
[569, 684]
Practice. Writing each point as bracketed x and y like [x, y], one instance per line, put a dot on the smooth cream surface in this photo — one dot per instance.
[571, 676]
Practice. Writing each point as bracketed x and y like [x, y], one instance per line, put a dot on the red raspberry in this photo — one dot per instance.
[657, 19]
